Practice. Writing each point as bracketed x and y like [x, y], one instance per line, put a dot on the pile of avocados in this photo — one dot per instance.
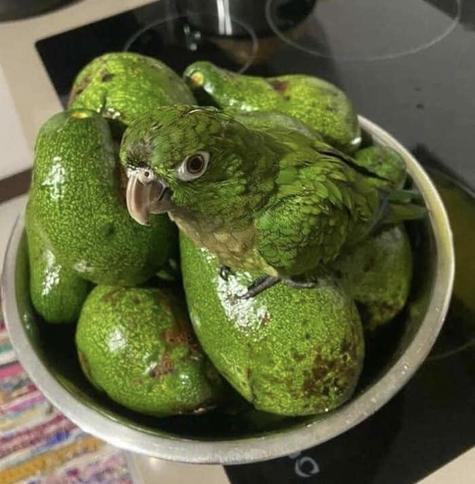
[158, 329]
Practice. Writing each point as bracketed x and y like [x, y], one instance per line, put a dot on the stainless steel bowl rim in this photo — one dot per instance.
[279, 443]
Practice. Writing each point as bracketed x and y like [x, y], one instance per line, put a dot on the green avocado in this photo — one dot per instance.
[124, 86]
[77, 202]
[378, 274]
[384, 162]
[136, 344]
[321, 105]
[57, 293]
[287, 351]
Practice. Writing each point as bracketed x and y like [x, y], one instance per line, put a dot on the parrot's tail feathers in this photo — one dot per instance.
[397, 213]
[404, 196]
[397, 206]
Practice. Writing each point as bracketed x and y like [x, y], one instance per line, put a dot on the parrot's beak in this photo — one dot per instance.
[145, 195]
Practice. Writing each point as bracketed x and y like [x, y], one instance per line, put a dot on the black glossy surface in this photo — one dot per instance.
[412, 72]
[425, 98]
[369, 30]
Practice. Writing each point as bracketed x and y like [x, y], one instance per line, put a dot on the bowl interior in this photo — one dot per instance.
[55, 347]
[225, 436]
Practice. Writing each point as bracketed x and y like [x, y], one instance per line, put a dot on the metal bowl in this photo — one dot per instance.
[57, 375]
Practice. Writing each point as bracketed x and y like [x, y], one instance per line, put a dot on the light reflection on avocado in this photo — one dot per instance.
[288, 351]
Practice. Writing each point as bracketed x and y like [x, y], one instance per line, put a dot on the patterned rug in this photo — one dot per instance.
[38, 444]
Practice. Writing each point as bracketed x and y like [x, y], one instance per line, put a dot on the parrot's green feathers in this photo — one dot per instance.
[261, 191]
[385, 163]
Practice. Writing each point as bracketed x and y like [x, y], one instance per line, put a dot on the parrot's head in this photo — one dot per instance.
[185, 158]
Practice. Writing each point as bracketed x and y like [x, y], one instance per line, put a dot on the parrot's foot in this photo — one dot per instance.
[299, 284]
[225, 272]
[264, 282]
[259, 285]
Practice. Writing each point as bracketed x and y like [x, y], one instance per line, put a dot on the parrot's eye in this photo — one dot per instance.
[193, 166]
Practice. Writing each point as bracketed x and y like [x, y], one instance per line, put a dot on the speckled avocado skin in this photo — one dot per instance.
[57, 293]
[136, 344]
[76, 200]
[124, 86]
[287, 351]
[321, 105]
[378, 275]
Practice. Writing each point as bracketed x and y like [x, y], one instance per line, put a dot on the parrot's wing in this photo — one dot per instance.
[384, 163]
[308, 221]
[360, 165]
[277, 124]
[296, 235]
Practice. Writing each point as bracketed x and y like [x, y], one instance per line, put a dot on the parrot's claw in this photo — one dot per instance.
[300, 284]
[225, 272]
[264, 282]
[259, 285]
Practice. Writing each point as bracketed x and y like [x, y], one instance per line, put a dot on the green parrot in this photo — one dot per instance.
[261, 195]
